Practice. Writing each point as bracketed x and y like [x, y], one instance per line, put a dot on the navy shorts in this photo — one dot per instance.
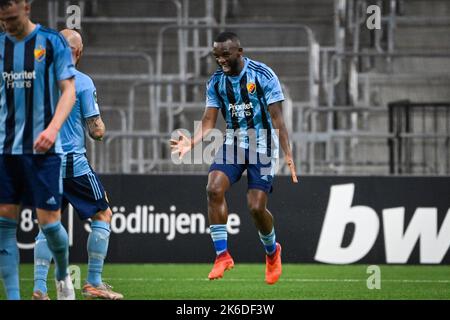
[233, 161]
[31, 180]
[86, 195]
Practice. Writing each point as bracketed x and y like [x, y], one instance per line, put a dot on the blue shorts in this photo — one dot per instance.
[31, 180]
[233, 161]
[86, 195]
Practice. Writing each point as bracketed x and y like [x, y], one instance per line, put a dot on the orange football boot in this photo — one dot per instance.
[273, 266]
[223, 262]
[103, 291]
[39, 295]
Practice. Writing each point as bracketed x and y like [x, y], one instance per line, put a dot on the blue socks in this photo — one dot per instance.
[97, 247]
[58, 243]
[269, 242]
[219, 236]
[42, 259]
[9, 258]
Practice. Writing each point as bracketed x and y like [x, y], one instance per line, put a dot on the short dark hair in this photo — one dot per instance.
[7, 3]
[226, 35]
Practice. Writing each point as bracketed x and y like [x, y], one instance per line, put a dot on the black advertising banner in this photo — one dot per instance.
[337, 220]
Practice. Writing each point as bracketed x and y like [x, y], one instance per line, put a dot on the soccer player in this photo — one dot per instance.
[81, 186]
[37, 92]
[249, 96]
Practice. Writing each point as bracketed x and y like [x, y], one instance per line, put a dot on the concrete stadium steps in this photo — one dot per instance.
[426, 36]
[121, 37]
[417, 79]
[436, 37]
[39, 12]
[385, 89]
[322, 29]
[318, 15]
[364, 150]
[130, 37]
[125, 65]
[283, 10]
[112, 65]
[422, 65]
[113, 93]
[361, 121]
[285, 64]
[138, 8]
[426, 8]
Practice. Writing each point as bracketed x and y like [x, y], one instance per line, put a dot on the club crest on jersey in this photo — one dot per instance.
[39, 54]
[251, 87]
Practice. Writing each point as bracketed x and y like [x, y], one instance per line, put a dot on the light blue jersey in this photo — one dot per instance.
[73, 137]
[29, 73]
[244, 101]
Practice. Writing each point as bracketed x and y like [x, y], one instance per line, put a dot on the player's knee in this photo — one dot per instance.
[256, 209]
[104, 215]
[9, 211]
[215, 192]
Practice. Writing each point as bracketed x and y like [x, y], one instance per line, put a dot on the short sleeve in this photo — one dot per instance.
[212, 100]
[272, 91]
[63, 60]
[88, 102]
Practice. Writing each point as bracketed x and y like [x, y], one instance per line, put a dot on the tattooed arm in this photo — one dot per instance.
[96, 127]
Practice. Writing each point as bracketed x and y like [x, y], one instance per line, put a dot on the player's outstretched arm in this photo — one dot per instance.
[184, 144]
[47, 138]
[96, 127]
[276, 113]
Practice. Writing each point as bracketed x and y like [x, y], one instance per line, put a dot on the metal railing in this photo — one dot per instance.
[95, 149]
[150, 68]
[420, 142]
[312, 49]
[143, 163]
[319, 143]
[332, 145]
[54, 18]
[339, 148]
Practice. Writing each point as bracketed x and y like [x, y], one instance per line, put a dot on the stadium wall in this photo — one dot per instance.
[338, 220]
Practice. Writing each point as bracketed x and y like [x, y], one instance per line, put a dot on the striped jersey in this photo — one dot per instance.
[73, 136]
[243, 101]
[30, 70]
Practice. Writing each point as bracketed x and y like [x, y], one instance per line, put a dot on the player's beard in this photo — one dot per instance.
[17, 30]
[233, 66]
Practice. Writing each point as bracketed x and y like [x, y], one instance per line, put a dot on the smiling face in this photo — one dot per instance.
[228, 56]
[14, 18]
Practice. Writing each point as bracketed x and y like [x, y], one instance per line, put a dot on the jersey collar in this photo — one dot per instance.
[29, 36]
[243, 71]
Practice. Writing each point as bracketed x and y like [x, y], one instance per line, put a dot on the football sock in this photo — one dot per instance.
[219, 236]
[42, 259]
[9, 258]
[58, 243]
[268, 242]
[97, 247]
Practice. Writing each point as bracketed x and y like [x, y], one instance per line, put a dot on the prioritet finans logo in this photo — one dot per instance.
[17, 80]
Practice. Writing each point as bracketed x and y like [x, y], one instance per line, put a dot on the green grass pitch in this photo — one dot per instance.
[246, 281]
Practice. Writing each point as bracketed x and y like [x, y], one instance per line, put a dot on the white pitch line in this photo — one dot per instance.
[282, 280]
[253, 280]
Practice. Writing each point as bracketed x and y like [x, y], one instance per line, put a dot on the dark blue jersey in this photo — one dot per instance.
[243, 101]
[30, 70]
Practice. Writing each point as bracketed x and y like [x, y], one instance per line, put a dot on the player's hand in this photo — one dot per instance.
[291, 165]
[45, 140]
[181, 146]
